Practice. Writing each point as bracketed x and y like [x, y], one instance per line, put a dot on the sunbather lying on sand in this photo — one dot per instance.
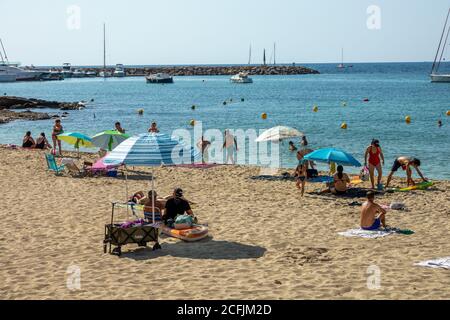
[372, 214]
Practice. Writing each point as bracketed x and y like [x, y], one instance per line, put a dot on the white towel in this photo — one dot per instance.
[437, 263]
[371, 234]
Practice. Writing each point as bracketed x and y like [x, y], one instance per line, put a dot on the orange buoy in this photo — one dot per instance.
[264, 116]
[448, 113]
[344, 125]
[192, 122]
[315, 108]
[408, 119]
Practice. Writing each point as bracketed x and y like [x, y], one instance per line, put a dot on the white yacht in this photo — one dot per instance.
[67, 70]
[241, 77]
[105, 74]
[159, 78]
[90, 74]
[8, 71]
[119, 71]
[435, 75]
[78, 74]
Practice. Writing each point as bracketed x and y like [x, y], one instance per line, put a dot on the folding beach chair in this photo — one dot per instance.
[51, 164]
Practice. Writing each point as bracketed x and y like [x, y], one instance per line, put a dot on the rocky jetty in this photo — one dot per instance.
[8, 103]
[215, 70]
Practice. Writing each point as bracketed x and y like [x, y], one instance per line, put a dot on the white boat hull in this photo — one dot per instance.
[440, 77]
[7, 78]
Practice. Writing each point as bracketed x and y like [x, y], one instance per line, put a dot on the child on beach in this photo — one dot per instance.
[372, 214]
[300, 174]
[57, 129]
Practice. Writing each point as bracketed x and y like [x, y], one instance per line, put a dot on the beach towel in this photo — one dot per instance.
[373, 234]
[443, 263]
[366, 233]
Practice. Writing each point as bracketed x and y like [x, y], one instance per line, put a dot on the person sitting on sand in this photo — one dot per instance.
[300, 174]
[176, 205]
[372, 215]
[153, 128]
[42, 142]
[57, 129]
[376, 159]
[292, 146]
[28, 141]
[406, 163]
[153, 202]
[339, 184]
[118, 127]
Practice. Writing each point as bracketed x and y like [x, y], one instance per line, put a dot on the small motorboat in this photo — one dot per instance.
[119, 71]
[241, 77]
[159, 78]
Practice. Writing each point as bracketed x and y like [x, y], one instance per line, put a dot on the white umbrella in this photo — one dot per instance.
[279, 133]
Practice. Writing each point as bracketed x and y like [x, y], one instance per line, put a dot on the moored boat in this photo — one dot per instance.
[159, 78]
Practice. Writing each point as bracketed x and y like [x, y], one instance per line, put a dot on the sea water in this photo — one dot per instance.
[394, 90]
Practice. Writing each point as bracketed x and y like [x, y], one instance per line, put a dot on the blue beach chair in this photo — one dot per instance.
[51, 164]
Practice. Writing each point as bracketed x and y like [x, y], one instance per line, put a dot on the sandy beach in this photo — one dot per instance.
[266, 241]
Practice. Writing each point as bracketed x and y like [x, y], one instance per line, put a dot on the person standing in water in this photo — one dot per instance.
[153, 128]
[230, 144]
[203, 145]
[57, 129]
[119, 128]
[374, 155]
[406, 163]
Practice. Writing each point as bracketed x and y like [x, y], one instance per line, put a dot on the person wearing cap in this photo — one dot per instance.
[176, 205]
[375, 157]
[373, 216]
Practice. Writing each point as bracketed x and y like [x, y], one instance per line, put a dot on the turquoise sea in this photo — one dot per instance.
[395, 90]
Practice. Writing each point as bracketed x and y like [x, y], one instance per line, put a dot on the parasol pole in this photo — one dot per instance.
[126, 187]
[153, 198]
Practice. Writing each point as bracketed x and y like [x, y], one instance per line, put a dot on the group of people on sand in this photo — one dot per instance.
[164, 209]
[373, 160]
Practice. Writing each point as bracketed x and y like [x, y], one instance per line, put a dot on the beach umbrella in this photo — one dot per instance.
[109, 139]
[279, 133]
[149, 150]
[329, 155]
[76, 139]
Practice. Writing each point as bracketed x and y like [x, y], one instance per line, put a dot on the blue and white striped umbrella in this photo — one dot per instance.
[151, 149]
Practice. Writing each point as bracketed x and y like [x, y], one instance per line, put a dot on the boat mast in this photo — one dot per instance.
[264, 57]
[274, 53]
[342, 56]
[443, 49]
[104, 51]
[250, 54]
[440, 43]
[4, 52]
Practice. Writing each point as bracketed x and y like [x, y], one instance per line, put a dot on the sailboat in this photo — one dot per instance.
[435, 75]
[342, 65]
[104, 73]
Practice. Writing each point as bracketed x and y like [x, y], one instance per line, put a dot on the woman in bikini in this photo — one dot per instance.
[375, 157]
[300, 174]
[42, 142]
[57, 129]
[28, 141]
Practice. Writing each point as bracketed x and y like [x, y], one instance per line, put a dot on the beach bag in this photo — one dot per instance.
[312, 173]
[397, 206]
[364, 174]
[184, 222]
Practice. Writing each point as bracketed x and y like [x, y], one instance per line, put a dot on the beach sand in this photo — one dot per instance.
[267, 242]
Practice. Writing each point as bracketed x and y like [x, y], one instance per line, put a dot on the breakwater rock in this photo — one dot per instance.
[10, 102]
[216, 70]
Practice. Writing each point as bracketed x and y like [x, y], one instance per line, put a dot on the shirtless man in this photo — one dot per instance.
[372, 215]
[406, 163]
[203, 145]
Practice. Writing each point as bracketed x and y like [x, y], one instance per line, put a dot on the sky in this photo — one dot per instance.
[51, 32]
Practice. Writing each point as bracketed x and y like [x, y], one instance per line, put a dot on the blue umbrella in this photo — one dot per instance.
[149, 150]
[333, 155]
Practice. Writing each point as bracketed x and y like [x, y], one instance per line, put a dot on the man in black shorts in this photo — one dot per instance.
[406, 163]
[176, 205]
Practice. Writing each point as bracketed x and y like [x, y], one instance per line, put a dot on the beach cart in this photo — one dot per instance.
[118, 235]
